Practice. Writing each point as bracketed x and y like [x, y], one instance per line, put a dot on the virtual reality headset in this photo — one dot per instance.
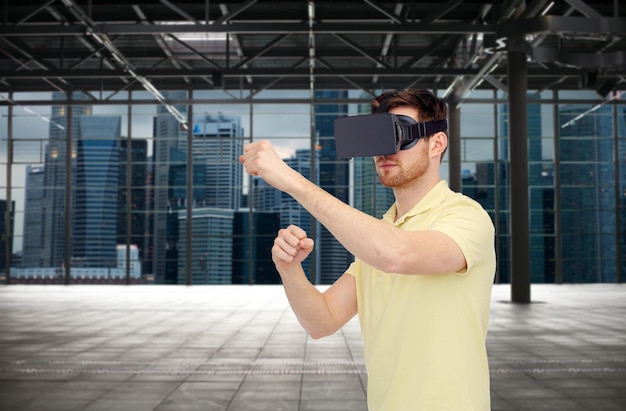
[380, 134]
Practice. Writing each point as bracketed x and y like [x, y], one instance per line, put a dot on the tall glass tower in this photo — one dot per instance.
[588, 198]
[132, 201]
[334, 178]
[167, 158]
[217, 144]
[4, 206]
[33, 217]
[56, 166]
[211, 249]
[217, 185]
[96, 192]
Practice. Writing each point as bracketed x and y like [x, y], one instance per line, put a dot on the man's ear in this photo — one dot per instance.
[438, 144]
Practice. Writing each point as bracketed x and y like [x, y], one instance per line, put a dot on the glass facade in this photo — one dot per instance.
[124, 193]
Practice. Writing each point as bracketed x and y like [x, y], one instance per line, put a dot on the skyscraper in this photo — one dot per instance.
[4, 253]
[211, 249]
[96, 192]
[253, 238]
[217, 184]
[135, 196]
[588, 211]
[93, 190]
[217, 144]
[168, 134]
[334, 178]
[33, 217]
[57, 165]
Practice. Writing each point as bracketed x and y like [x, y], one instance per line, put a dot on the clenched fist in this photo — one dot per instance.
[260, 159]
[291, 246]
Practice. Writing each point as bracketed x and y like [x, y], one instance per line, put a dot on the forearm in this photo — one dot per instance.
[308, 303]
[366, 237]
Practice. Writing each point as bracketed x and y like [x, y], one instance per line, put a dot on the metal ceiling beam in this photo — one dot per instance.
[269, 46]
[196, 52]
[287, 72]
[232, 13]
[34, 12]
[440, 11]
[232, 39]
[249, 28]
[48, 67]
[160, 41]
[95, 51]
[392, 16]
[180, 12]
[583, 8]
[358, 49]
[247, 100]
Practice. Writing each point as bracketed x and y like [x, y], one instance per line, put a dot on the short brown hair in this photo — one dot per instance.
[428, 106]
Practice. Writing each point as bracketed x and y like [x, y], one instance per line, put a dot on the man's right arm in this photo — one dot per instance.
[320, 314]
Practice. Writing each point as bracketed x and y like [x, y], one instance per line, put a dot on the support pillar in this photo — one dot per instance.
[69, 190]
[190, 199]
[518, 178]
[454, 146]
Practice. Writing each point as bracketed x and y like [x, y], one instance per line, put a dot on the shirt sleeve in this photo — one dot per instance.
[354, 269]
[471, 228]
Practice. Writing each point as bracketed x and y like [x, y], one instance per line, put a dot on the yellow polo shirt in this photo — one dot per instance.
[424, 335]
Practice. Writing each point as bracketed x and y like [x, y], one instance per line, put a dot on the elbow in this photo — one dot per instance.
[395, 261]
[388, 265]
[316, 334]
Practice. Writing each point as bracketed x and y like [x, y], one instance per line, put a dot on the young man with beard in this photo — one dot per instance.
[422, 276]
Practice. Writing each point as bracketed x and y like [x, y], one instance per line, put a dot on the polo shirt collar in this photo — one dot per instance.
[435, 196]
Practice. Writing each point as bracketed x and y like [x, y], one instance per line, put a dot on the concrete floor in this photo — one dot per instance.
[240, 348]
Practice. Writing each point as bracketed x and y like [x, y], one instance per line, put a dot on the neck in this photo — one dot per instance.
[410, 194]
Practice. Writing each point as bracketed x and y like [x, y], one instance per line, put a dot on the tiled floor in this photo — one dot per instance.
[239, 348]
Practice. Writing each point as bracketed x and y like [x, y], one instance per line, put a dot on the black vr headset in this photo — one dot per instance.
[380, 134]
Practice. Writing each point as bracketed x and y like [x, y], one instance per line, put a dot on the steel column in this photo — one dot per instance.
[454, 145]
[69, 190]
[518, 177]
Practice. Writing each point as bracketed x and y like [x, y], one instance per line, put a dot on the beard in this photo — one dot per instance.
[404, 174]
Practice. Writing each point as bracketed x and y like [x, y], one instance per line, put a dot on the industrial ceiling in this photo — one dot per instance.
[247, 46]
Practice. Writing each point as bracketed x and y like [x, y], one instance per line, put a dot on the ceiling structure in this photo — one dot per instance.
[247, 46]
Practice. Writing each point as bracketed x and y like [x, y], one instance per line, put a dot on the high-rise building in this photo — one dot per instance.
[33, 217]
[57, 165]
[96, 192]
[253, 238]
[217, 183]
[334, 178]
[93, 164]
[211, 249]
[217, 144]
[588, 210]
[132, 200]
[4, 212]
[168, 134]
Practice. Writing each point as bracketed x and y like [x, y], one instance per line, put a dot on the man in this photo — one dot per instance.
[422, 276]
